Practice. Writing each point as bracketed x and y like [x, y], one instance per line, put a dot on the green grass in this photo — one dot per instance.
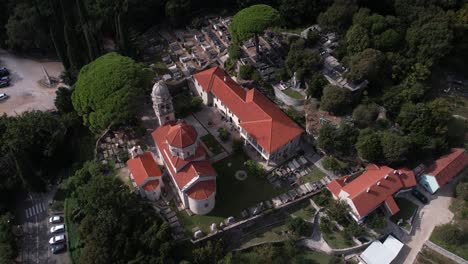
[232, 195]
[273, 235]
[407, 209]
[212, 144]
[303, 210]
[74, 244]
[429, 256]
[293, 94]
[316, 256]
[337, 239]
[315, 175]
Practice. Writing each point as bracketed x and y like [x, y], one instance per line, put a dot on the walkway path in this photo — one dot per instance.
[316, 241]
[435, 213]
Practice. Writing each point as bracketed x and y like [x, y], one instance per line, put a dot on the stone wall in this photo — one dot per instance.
[286, 99]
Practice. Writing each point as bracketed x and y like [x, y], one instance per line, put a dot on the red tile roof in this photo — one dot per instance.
[391, 205]
[151, 185]
[259, 116]
[189, 169]
[373, 187]
[202, 190]
[448, 166]
[143, 167]
[336, 185]
[181, 135]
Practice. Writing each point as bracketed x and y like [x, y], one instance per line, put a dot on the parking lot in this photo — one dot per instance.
[32, 215]
[24, 92]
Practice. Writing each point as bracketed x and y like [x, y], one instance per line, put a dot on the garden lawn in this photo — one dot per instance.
[274, 234]
[337, 239]
[73, 238]
[303, 210]
[319, 257]
[293, 94]
[429, 256]
[232, 196]
[407, 210]
[212, 144]
[314, 176]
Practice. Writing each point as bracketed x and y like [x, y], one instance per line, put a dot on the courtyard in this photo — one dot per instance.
[232, 195]
[407, 210]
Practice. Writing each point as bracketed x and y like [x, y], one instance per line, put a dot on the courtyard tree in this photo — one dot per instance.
[357, 39]
[368, 64]
[365, 115]
[394, 146]
[368, 146]
[335, 99]
[251, 22]
[298, 226]
[316, 84]
[108, 90]
[337, 17]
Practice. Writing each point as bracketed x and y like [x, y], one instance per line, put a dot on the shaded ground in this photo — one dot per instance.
[25, 93]
[407, 209]
[232, 195]
[429, 256]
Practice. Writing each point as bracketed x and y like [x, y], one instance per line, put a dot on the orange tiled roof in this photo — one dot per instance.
[202, 190]
[196, 166]
[143, 167]
[181, 135]
[391, 205]
[373, 187]
[259, 116]
[448, 166]
[151, 185]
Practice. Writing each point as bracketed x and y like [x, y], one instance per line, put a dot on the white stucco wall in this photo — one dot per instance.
[184, 152]
[201, 207]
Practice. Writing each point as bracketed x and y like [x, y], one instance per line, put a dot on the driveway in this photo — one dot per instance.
[435, 213]
[25, 92]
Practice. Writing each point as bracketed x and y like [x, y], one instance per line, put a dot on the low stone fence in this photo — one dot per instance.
[351, 250]
[238, 226]
[445, 252]
[287, 99]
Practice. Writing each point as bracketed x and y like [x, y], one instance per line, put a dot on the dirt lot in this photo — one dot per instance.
[25, 92]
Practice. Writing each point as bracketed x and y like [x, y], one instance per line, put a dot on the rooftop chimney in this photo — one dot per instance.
[395, 171]
[385, 177]
[225, 79]
[368, 190]
[378, 183]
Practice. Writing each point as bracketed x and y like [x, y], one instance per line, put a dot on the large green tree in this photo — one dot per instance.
[368, 64]
[107, 91]
[335, 99]
[337, 17]
[301, 60]
[369, 146]
[252, 21]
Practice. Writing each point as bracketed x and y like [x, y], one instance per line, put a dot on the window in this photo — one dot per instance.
[206, 205]
[188, 153]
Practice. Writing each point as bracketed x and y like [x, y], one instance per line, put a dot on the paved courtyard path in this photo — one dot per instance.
[435, 213]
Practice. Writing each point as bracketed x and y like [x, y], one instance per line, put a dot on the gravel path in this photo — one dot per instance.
[25, 93]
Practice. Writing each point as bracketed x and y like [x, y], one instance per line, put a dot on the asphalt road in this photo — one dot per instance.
[32, 216]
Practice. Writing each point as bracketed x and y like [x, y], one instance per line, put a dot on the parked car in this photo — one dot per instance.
[421, 197]
[57, 239]
[5, 78]
[4, 72]
[3, 96]
[56, 219]
[4, 83]
[57, 229]
[55, 249]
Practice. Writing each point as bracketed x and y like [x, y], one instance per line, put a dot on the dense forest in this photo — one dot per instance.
[399, 46]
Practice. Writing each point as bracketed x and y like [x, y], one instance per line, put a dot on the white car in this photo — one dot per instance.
[3, 96]
[55, 219]
[57, 239]
[57, 229]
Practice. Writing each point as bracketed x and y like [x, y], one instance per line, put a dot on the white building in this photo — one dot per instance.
[162, 103]
[260, 122]
[146, 175]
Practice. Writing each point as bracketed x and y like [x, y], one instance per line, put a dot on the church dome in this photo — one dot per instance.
[160, 90]
[181, 135]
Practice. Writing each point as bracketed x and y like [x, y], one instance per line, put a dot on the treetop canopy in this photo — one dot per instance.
[252, 20]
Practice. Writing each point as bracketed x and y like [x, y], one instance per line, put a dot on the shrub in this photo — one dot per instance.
[224, 134]
[237, 145]
[330, 163]
[254, 169]
[298, 226]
